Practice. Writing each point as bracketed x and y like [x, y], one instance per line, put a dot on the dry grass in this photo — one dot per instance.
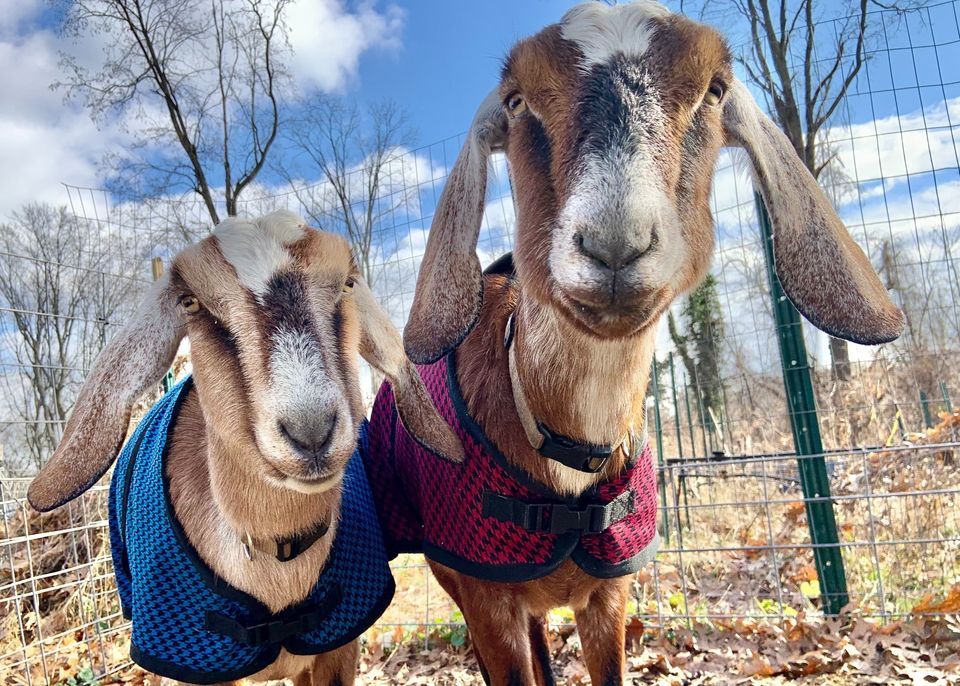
[733, 596]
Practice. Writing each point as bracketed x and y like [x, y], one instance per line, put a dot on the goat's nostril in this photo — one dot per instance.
[595, 249]
[612, 255]
[310, 438]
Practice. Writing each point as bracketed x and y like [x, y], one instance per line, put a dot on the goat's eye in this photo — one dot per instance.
[714, 94]
[348, 286]
[516, 105]
[190, 304]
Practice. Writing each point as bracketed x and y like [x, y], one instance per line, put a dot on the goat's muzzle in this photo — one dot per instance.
[609, 281]
[309, 439]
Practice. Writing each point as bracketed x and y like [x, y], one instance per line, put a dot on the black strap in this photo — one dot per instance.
[291, 547]
[286, 549]
[583, 457]
[304, 621]
[558, 518]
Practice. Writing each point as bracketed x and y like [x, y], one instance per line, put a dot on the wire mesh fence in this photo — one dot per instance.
[736, 513]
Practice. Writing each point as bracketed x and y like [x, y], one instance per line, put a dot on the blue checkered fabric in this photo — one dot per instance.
[178, 605]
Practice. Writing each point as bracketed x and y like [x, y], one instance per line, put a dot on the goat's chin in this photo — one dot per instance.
[307, 486]
[614, 320]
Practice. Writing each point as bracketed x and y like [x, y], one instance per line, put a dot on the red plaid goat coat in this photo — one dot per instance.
[487, 518]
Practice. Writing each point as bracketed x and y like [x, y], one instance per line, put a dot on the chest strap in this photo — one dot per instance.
[277, 630]
[558, 518]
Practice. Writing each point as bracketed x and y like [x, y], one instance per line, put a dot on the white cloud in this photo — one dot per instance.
[45, 140]
[328, 39]
[48, 141]
[897, 145]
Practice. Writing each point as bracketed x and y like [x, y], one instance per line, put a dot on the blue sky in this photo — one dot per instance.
[451, 54]
[436, 58]
[451, 57]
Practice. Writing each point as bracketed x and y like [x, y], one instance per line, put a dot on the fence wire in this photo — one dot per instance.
[736, 544]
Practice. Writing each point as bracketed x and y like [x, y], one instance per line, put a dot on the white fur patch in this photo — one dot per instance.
[619, 193]
[602, 31]
[298, 379]
[257, 247]
[284, 225]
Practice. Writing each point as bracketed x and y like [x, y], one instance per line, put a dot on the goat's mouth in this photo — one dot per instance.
[310, 483]
[606, 316]
[289, 460]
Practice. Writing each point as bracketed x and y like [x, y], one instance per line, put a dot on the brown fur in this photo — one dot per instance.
[541, 149]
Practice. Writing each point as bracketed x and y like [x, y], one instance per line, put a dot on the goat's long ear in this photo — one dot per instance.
[823, 271]
[381, 346]
[446, 303]
[135, 358]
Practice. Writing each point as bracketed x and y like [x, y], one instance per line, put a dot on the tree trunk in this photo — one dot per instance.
[840, 356]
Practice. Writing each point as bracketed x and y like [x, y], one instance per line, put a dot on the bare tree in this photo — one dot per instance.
[926, 285]
[804, 55]
[699, 348]
[60, 288]
[361, 158]
[198, 83]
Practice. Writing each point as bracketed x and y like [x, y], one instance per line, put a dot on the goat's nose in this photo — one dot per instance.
[613, 254]
[309, 438]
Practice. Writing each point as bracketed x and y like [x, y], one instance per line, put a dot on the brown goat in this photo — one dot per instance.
[276, 314]
[612, 121]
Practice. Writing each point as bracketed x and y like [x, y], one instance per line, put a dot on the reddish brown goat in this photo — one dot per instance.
[612, 121]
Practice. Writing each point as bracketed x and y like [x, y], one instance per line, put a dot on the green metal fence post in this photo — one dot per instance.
[946, 397]
[659, 431]
[676, 408]
[801, 403]
[925, 407]
[693, 450]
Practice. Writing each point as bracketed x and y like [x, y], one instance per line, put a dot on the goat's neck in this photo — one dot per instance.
[256, 506]
[218, 499]
[575, 384]
[584, 387]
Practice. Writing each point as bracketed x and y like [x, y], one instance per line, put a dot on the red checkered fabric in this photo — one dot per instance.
[427, 504]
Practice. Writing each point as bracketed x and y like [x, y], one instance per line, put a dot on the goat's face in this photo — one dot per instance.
[614, 129]
[274, 338]
[276, 313]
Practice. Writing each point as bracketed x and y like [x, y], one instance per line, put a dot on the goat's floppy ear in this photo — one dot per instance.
[381, 346]
[823, 271]
[135, 358]
[446, 303]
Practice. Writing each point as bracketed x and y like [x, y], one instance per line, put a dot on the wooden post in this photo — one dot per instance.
[156, 268]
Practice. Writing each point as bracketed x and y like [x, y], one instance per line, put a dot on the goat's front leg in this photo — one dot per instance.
[540, 649]
[500, 634]
[601, 624]
[336, 668]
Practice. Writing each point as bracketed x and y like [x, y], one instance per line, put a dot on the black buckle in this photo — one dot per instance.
[557, 518]
[583, 457]
[277, 630]
[292, 547]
